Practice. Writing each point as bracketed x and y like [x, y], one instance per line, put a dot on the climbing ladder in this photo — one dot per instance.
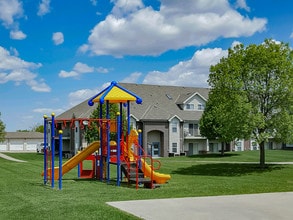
[135, 175]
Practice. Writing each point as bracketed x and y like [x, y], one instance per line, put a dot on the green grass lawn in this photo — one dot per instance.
[24, 196]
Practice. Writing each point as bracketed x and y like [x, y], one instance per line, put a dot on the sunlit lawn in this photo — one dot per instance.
[24, 196]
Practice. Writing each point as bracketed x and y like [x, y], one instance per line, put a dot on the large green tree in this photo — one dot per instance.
[251, 95]
[2, 130]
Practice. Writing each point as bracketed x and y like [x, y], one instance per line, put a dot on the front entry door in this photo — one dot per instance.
[156, 149]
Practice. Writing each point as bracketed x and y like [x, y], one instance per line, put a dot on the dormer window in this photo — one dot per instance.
[189, 106]
[200, 106]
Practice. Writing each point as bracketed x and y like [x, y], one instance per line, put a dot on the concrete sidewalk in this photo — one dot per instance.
[10, 158]
[267, 206]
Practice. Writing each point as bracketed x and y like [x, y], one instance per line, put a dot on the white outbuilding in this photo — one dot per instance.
[21, 141]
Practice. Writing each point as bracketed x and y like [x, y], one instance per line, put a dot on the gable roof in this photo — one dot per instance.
[24, 135]
[161, 102]
[174, 116]
[186, 97]
[158, 103]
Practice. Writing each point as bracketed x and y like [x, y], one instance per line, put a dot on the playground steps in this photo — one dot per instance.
[135, 175]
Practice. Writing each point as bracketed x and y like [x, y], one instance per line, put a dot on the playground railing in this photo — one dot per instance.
[142, 160]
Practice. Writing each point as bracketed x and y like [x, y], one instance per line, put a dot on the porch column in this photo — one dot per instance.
[208, 148]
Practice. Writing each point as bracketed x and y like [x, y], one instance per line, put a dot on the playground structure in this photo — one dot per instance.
[125, 152]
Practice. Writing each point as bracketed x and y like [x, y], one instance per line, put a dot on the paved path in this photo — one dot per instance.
[267, 206]
[10, 158]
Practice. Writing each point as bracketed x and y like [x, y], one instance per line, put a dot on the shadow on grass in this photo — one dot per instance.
[225, 169]
[214, 155]
[110, 182]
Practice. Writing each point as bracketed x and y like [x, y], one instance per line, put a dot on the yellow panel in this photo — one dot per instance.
[97, 99]
[116, 95]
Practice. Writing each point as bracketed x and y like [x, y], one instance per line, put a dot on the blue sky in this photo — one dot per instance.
[55, 54]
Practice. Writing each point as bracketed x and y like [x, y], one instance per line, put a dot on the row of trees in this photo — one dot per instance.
[2, 130]
[251, 95]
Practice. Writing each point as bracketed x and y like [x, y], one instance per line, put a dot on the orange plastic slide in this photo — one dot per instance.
[74, 161]
[157, 177]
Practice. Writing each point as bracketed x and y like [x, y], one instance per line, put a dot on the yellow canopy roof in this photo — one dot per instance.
[114, 94]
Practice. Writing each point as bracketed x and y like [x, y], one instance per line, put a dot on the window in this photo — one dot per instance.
[213, 147]
[174, 127]
[174, 147]
[238, 146]
[254, 145]
[132, 124]
[189, 106]
[193, 129]
[200, 106]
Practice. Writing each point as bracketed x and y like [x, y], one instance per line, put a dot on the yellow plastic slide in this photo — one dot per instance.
[146, 169]
[157, 177]
[74, 161]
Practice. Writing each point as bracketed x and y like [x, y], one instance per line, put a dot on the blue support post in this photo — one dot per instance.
[139, 147]
[52, 149]
[108, 141]
[101, 142]
[78, 170]
[45, 149]
[140, 137]
[60, 159]
[128, 118]
[121, 134]
[118, 148]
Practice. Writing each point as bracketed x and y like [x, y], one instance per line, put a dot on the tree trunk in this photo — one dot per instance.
[223, 148]
[262, 155]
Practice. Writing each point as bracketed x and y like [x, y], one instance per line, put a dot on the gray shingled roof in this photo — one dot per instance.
[82, 110]
[158, 103]
[23, 135]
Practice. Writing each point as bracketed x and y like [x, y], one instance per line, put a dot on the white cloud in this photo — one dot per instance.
[193, 72]
[83, 94]
[58, 38]
[94, 2]
[133, 78]
[242, 4]
[78, 69]
[48, 111]
[44, 7]
[14, 69]
[83, 48]
[17, 35]
[64, 74]
[102, 70]
[291, 35]
[80, 96]
[9, 62]
[38, 86]
[82, 68]
[13, 51]
[133, 29]
[9, 10]
[124, 7]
